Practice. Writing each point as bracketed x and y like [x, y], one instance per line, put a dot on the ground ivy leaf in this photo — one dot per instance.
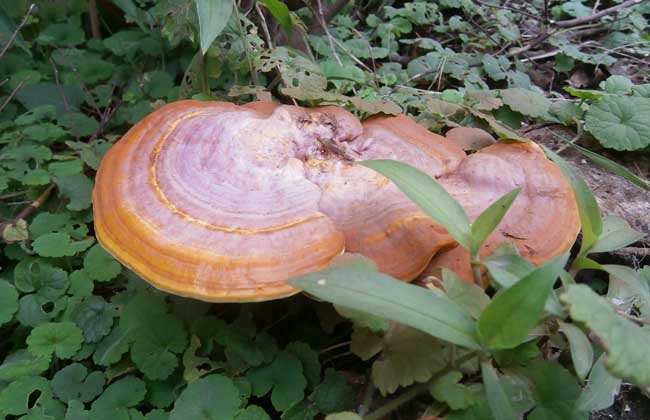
[620, 122]
[22, 363]
[303, 410]
[214, 397]
[63, 339]
[195, 366]
[448, 390]
[555, 390]
[59, 244]
[77, 189]
[15, 397]
[100, 265]
[111, 348]
[116, 400]
[365, 343]
[408, 356]
[628, 345]
[37, 275]
[526, 102]
[80, 283]
[76, 411]
[8, 301]
[284, 376]
[73, 383]
[309, 359]
[252, 412]
[94, 316]
[334, 393]
[156, 346]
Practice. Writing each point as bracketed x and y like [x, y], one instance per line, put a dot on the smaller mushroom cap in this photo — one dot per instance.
[543, 221]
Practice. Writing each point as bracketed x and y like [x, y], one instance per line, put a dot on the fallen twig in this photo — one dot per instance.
[31, 208]
[13, 36]
[586, 19]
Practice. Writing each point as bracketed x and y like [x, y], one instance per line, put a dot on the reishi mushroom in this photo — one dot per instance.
[225, 203]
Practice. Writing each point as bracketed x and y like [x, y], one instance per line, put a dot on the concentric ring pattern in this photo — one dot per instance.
[225, 203]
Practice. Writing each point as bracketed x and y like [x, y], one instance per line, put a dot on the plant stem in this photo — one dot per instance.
[416, 390]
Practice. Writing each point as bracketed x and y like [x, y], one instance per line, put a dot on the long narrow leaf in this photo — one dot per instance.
[508, 319]
[427, 193]
[612, 166]
[213, 17]
[487, 221]
[592, 223]
[360, 288]
[498, 400]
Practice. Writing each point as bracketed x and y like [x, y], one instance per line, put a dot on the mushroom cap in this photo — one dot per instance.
[543, 221]
[225, 203]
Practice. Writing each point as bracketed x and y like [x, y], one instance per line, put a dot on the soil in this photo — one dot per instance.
[630, 404]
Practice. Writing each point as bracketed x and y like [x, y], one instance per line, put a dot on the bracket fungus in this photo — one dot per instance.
[225, 203]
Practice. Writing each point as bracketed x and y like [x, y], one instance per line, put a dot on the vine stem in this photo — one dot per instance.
[416, 390]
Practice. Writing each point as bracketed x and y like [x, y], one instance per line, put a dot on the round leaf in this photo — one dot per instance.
[63, 339]
[213, 397]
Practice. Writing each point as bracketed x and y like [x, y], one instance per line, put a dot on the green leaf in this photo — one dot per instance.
[79, 125]
[487, 221]
[627, 344]
[408, 356]
[303, 410]
[284, 376]
[601, 389]
[508, 319]
[252, 412]
[555, 390]
[116, 400]
[111, 348]
[468, 295]
[334, 394]
[94, 316]
[343, 416]
[617, 85]
[74, 383]
[457, 396]
[429, 195]
[22, 363]
[77, 188]
[590, 219]
[8, 302]
[582, 354]
[214, 397]
[59, 244]
[100, 265]
[526, 102]
[213, 17]
[157, 344]
[309, 359]
[15, 397]
[620, 122]
[616, 234]
[363, 319]
[612, 166]
[280, 12]
[63, 339]
[378, 294]
[498, 400]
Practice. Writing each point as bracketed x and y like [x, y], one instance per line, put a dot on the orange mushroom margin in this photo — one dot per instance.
[225, 203]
